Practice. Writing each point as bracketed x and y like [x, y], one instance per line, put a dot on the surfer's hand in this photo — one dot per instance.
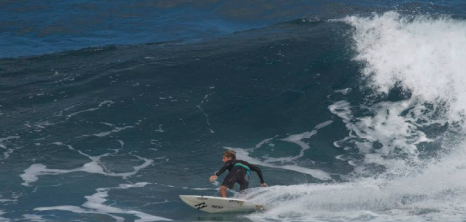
[264, 185]
[213, 177]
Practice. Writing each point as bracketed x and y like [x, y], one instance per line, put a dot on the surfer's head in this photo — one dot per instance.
[229, 155]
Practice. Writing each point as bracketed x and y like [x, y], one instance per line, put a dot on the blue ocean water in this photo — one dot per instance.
[353, 110]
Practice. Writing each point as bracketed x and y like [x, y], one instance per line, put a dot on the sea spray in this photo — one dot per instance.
[424, 57]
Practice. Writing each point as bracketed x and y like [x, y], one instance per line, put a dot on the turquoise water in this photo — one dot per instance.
[353, 111]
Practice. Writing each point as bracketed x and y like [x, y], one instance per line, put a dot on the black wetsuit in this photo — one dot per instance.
[239, 172]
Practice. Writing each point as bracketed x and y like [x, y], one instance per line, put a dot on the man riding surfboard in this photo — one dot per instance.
[239, 172]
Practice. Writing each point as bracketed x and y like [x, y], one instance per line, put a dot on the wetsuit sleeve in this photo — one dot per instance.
[258, 171]
[223, 169]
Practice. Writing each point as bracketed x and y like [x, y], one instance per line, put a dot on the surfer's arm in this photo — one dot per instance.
[222, 170]
[259, 173]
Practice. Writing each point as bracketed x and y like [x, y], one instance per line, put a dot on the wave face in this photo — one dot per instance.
[354, 112]
[405, 139]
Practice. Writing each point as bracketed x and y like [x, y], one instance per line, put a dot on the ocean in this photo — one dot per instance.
[353, 110]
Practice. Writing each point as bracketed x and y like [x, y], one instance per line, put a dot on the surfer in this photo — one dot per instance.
[239, 172]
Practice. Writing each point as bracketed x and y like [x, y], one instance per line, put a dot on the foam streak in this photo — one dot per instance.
[95, 205]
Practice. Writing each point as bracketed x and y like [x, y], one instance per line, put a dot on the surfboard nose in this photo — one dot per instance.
[187, 198]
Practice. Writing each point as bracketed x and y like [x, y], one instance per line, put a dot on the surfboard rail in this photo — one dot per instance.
[211, 204]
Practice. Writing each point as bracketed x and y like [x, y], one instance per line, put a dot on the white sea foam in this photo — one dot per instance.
[199, 106]
[244, 154]
[42, 125]
[6, 200]
[160, 130]
[299, 140]
[3, 219]
[343, 91]
[425, 57]
[8, 151]
[438, 192]
[6, 139]
[32, 173]
[122, 143]
[115, 129]
[204, 188]
[95, 205]
[33, 218]
[38, 126]
[422, 54]
[106, 102]
[396, 134]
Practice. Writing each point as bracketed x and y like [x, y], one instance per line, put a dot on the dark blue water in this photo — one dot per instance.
[354, 111]
[35, 28]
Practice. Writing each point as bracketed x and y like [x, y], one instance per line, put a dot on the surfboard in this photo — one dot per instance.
[219, 204]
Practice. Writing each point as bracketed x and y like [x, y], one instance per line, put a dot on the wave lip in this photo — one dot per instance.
[421, 54]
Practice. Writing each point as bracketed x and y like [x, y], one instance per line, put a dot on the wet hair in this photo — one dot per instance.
[230, 154]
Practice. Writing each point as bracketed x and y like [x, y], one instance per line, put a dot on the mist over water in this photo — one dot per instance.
[353, 111]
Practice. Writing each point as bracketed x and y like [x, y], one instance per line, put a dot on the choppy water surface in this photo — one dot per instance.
[354, 111]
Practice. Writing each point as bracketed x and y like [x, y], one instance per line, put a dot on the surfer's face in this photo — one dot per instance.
[225, 159]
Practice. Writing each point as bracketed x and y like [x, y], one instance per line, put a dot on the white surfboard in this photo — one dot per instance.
[219, 204]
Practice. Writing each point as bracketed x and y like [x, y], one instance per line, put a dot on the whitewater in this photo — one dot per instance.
[423, 57]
